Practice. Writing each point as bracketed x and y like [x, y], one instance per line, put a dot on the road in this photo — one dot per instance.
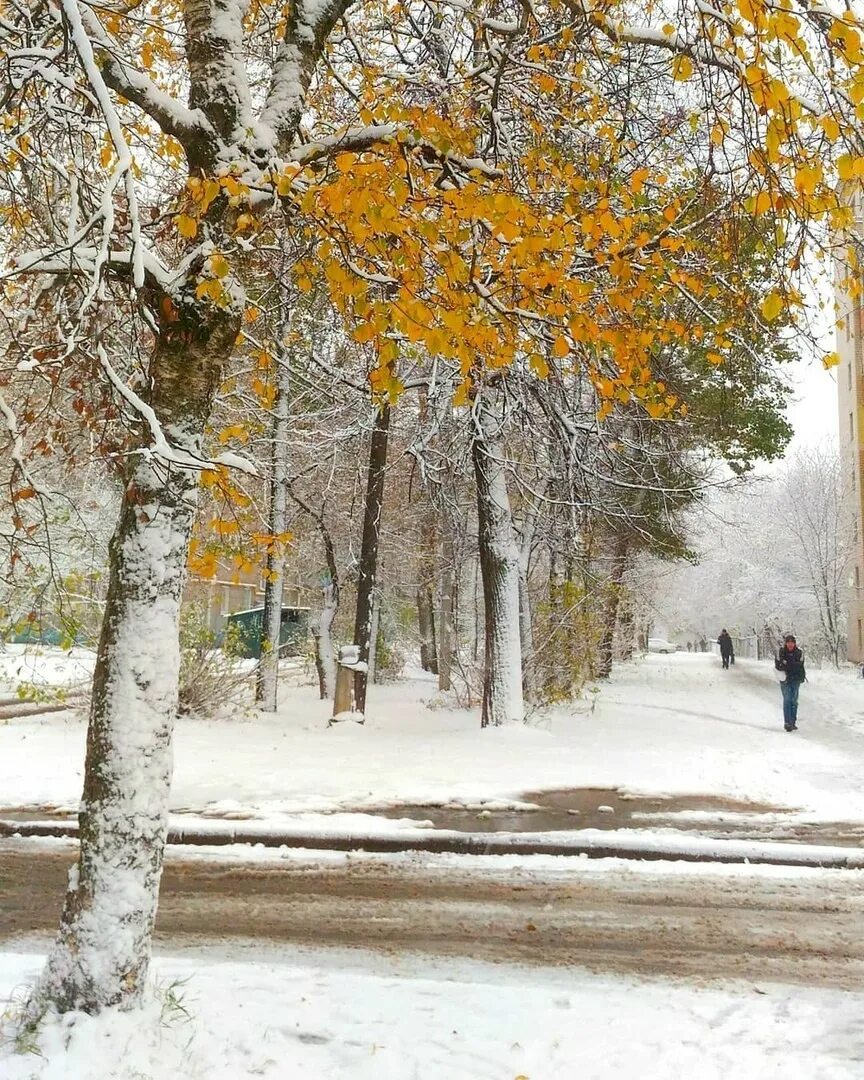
[804, 929]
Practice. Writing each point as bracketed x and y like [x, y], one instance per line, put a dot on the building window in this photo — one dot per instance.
[860, 639]
[849, 376]
[851, 427]
[857, 577]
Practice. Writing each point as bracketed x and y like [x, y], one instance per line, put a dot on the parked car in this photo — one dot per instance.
[659, 644]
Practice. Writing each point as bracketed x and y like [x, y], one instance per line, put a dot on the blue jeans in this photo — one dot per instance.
[790, 702]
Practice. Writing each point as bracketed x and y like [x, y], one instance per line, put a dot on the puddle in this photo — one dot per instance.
[584, 808]
[37, 813]
[608, 808]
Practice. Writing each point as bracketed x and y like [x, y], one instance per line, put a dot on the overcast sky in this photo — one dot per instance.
[814, 413]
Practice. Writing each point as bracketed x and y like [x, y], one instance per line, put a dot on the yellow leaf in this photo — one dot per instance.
[211, 289]
[203, 565]
[186, 226]
[219, 265]
[463, 391]
[772, 305]
[234, 431]
[560, 347]
[365, 332]
[762, 203]
[849, 167]
[831, 359]
[539, 365]
[682, 68]
[830, 127]
[345, 162]
[637, 180]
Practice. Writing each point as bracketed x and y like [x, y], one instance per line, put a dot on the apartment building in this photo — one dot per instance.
[850, 398]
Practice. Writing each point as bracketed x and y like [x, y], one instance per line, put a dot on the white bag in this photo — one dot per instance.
[780, 675]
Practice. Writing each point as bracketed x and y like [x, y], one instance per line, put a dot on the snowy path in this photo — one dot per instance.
[664, 726]
[797, 927]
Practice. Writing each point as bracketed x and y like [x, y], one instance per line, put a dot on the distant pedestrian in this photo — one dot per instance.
[703, 644]
[727, 651]
[689, 646]
[790, 665]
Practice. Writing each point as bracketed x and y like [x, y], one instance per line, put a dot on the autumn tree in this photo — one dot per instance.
[145, 152]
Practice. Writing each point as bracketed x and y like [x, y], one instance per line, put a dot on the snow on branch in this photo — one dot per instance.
[161, 448]
[84, 49]
[363, 138]
[309, 25]
[172, 117]
[83, 260]
[701, 48]
[11, 422]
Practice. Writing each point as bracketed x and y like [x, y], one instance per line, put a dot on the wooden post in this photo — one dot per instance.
[343, 698]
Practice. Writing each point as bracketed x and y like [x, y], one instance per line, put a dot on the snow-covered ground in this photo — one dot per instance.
[666, 726]
[348, 1016]
[675, 725]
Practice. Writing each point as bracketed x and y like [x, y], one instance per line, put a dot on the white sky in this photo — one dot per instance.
[814, 413]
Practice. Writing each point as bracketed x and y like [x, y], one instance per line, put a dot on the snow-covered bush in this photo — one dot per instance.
[211, 673]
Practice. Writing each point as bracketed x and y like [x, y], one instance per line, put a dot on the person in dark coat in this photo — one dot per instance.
[790, 663]
[727, 651]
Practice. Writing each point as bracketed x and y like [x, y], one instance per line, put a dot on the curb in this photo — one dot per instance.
[441, 842]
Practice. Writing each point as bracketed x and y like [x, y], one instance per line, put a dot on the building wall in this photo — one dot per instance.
[850, 397]
[232, 590]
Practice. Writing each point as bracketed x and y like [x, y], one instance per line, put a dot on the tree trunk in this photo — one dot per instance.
[325, 655]
[610, 611]
[526, 625]
[446, 632]
[102, 953]
[373, 636]
[369, 547]
[499, 566]
[426, 624]
[267, 678]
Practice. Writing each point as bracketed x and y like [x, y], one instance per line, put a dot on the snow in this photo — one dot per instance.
[224, 1015]
[44, 666]
[673, 725]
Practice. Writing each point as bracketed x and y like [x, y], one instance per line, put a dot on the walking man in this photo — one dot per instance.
[727, 652]
[790, 664]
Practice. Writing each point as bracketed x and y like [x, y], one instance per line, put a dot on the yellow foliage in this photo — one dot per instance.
[772, 305]
[186, 226]
[682, 68]
[211, 289]
[234, 431]
[219, 265]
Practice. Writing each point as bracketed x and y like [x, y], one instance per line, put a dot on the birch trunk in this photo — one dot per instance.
[102, 952]
[267, 678]
[499, 566]
[325, 655]
[526, 625]
[321, 625]
[369, 547]
[446, 632]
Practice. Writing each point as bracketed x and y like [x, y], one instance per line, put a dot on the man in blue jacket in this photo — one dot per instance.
[790, 662]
